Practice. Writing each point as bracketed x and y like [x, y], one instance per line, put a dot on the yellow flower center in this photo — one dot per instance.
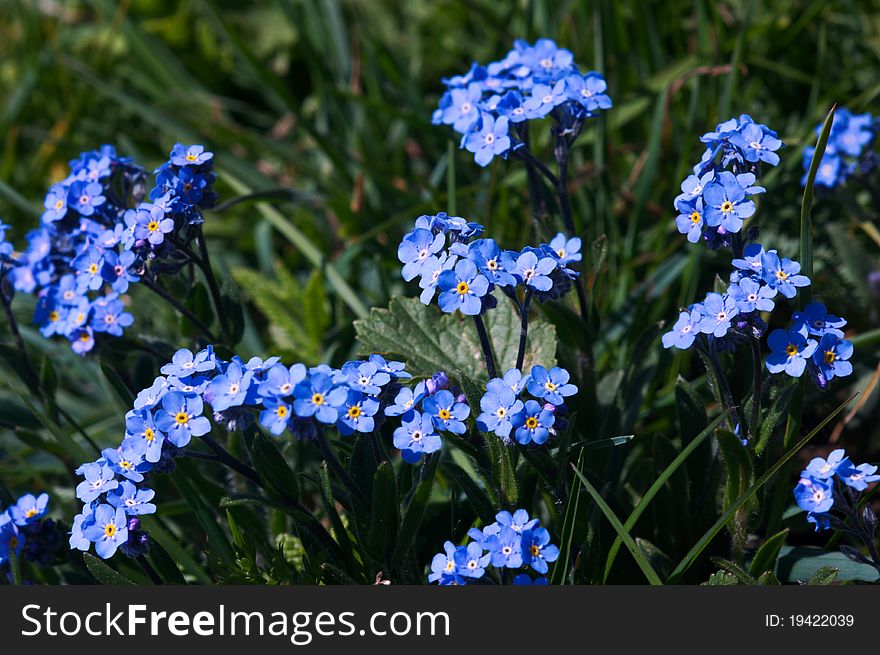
[84, 337]
[59, 204]
[695, 217]
[13, 543]
[354, 411]
[32, 512]
[191, 157]
[152, 226]
[531, 422]
[110, 530]
[281, 411]
[781, 275]
[444, 414]
[549, 386]
[93, 268]
[791, 350]
[149, 435]
[501, 413]
[318, 399]
[450, 565]
[125, 464]
[54, 316]
[462, 288]
[534, 550]
[181, 418]
[830, 356]
[727, 206]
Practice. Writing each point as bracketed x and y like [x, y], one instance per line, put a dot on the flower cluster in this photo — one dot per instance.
[848, 151]
[91, 246]
[25, 532]
[296, 399]
[7, 262]
[758, 277]
[717, 198]
[462, 271]
[513, 541]
[491, 105]
[534, 420]
[832, 484]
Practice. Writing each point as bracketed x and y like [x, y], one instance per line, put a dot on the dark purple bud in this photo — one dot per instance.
[134, 523]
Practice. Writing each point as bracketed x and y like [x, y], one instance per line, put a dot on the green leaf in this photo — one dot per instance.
[126, 397]
[339, 530]
[659, 483]
[274, 469]
[803, 563]
[690, 409]
[103, 573]
[316, 315]
[721, 579]
[742, 576]
[780, 398]
[631, 546]
[712, 532]
[765, 559]
[385, 517]
[432, 341]
[231, 299]
[165, 566]
[185, 479]
[566, 532]
[415, 511]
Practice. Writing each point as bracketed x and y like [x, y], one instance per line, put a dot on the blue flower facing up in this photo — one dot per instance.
[783, 275]
[406, 400]
[820, 468]
[537, 551]
[320, 397]
[499, 408]
[276, 415]
[356, 413]
[814, 495]
[726, 203]
[533, 271]
[416, 248]
[818, 321]
[791, 350]
[486, 255]
[181, 418]
[448, 414]
[366, 377]
[99, 479]
[513, 379]
[108, 530]
[131, 500]
[29, 509]
[462, 289]
[533, 423]
[857, 477]
[718, 312]
[489, 139]
[685, 330]
[750, 296]
[553, 386]
[831, 356]
[416, 436]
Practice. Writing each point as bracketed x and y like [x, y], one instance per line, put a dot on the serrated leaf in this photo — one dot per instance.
[103, 573]
[742, 576]
[431, 341]
[721, 579]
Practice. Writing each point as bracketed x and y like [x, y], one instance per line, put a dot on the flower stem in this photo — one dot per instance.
[227, 458]
[757, 389]
[213, 287]
[486, 345]
[524, 329]
[28, 370]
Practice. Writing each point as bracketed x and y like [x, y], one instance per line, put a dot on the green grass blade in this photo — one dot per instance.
[566, 533]
[712, 532]
[631, 546]
[658, 485]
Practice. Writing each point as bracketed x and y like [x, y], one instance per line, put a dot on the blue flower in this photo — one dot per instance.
[534, 272]
[513, 379]
[447, 414]
[12, 540]
[88, 267]
[365, 377]
[406, 400]
[99, 479]
[505, 549]
[132, 500]
[444, 570]
[85, 197]
[524, 579]
[545, 99]
[280, 381]
[552, 385]
[184, 363]
[471, 562]
[356, 414]
[726, 203]
[415, 250]
[140, 426]
[567, 249]
[757, 144]
[814, 495]
[416, 437]
[857, 477]
[821, 469]
[190, 186]
[108, 531]
[818, 321]
[151, 224]
[111, 318]
[463, 108]
[518, 521]
[396, 370]
[488, 139]
[119, 271]
[128, 460]
[276, 415]
[486, 254]
[320, 397]
[589, 91]
[685, 330]
[55, 203]
[832, 356]
[81, 522]
[431, 271]
[717, 311]
[751, 296]
[462, 288]
[181, 418]
[690, 220]
[194, 155]
[29, 509]
[537, 550]
[498, 410]
[533, 423]
[790, 351]
[783, 275]
[821, 521]
[229, 389]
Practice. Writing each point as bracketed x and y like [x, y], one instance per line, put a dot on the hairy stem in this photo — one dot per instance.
[339, 470]
[486, 345]
[213, 287]
[523, 330]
